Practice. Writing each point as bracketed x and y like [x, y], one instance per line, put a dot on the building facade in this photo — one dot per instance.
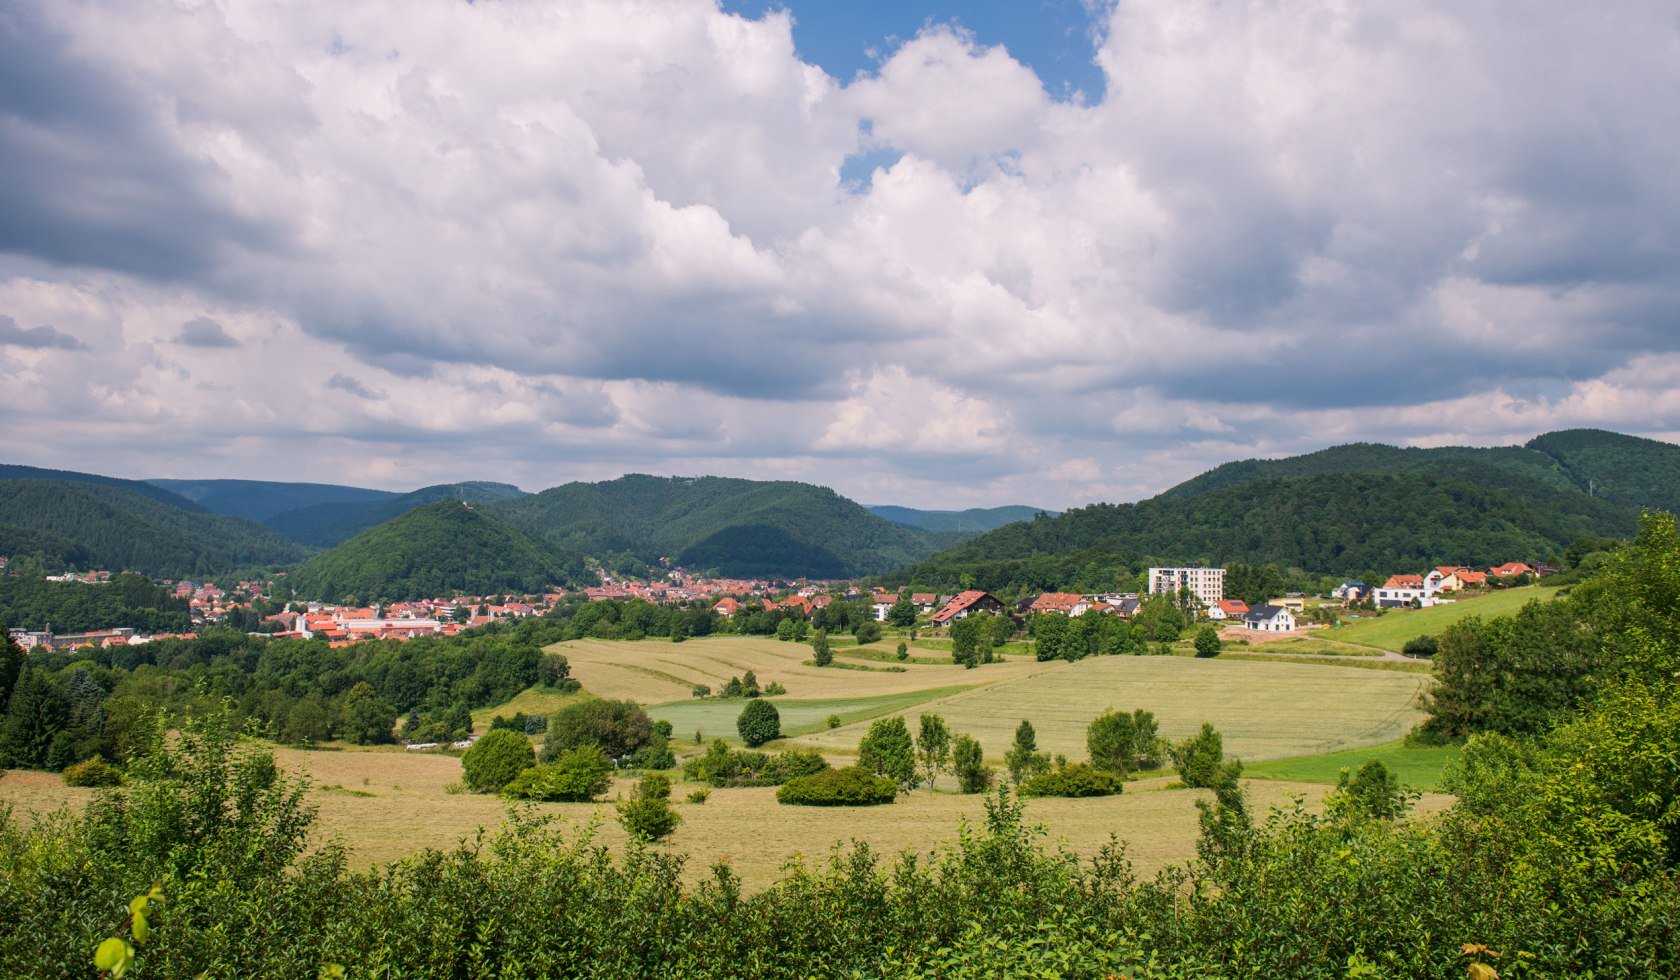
[1208, 584]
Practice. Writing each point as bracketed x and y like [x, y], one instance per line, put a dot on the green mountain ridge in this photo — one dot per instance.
[745, 528]
[1347, 510]
[95, 524]
[442, 548]
[325, 525]
[260, 500]
[975, 520]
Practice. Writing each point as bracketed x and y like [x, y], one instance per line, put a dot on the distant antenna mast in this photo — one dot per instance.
[1591, 486]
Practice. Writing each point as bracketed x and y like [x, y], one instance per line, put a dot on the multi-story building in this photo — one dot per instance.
[1208, 584]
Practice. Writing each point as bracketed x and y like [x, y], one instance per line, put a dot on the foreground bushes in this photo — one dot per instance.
[225, 836]
[849, 786]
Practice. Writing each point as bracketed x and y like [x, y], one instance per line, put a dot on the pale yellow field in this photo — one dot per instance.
[1263, 710]
[654, 671]
[408, 810]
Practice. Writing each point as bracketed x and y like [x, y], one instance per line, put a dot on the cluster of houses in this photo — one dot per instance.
[344, 625]
[46, 639]
[1403, 591]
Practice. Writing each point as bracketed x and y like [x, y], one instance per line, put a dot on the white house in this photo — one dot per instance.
[1270, 619]
[1405, 590]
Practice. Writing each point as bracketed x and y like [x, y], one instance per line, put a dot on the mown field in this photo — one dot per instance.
[1391, 630]
[1264, 710]
[386, 804]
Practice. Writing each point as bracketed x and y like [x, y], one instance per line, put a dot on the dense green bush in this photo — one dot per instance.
[1208, 643]
[759, 722]
[1200, 761]
[969, 763]
[577, 775]
[887, 750]
[1076, 779]
[647, 814]
[495, 760]
[1420, 646]
[92, 772]
[1124, 743]
[848, 786]
[619, 728]
[723, 766]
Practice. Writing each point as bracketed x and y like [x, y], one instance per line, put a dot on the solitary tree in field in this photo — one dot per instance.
[1207, 642]
[887, 750]
[903, 612]
[760, 722]
[933, 747]
[821, 654]
[1023, 758]
[969, 764]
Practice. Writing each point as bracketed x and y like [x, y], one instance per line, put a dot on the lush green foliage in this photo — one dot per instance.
[495, 760]
[446, 548]
[31, 602]
[968, 762]
[1023, 759]
[1207, 642]
[760, 722]
[933, 748]
[618, 728]
[330, 523]
[741, 528]
[1352, 510]
[577, 774]
[1200, 761]
[647, 814]
[120, 525]
[846, 786]
[1372, 791]
[887, 750]
[1513, 674]
[1074, 779]
[1123, 743]
[723, 766]
[92, 772]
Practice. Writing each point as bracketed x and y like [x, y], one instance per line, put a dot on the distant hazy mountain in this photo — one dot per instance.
[327, 524]
[976, 520]
[260, 500]
[88, 521]
[736, 527]
[442, 548]
[1346, 510]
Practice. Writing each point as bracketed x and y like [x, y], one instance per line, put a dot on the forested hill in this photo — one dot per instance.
[100, 523]
[975, 520]
[1352, 510]
[260, 500]
[445, 548]
[324, 525]
[736, 527]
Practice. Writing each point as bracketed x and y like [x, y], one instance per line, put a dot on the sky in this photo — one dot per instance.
[937, 254]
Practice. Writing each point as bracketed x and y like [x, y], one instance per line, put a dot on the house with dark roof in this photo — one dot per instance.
[1270, 619]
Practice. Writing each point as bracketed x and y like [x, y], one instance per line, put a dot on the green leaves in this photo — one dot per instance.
[114, 956]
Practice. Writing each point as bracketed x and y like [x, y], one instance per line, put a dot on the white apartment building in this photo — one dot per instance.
[1208, 584]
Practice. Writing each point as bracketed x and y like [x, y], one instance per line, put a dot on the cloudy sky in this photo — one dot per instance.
[948, 255]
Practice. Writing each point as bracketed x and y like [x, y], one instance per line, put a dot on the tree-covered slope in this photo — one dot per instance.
[1625, 469]
[442, 548]
[737, 527]
[327, 524]
[975, 520]
[89, 524]
[160, 494]
[1515, 468]
[1331, 523]
[260, 500]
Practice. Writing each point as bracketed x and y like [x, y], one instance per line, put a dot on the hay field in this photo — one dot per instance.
[657, 671]
[1264, 710]
[406, 810]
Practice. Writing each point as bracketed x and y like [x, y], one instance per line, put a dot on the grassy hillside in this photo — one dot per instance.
[1392, 629]
[324, 525]
[108, 525]
[437, 549]
[737, 527]
[260, 500]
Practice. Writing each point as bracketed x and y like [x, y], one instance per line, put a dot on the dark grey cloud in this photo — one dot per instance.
[90, 178]
[204, 332]
[345, 383]
[43, 337]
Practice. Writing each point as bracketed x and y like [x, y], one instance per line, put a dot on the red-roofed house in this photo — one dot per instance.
[1511, 568]
[965, 605]
[727, 607]
[1227, 609]
[1066, 603]
[1404, 590]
